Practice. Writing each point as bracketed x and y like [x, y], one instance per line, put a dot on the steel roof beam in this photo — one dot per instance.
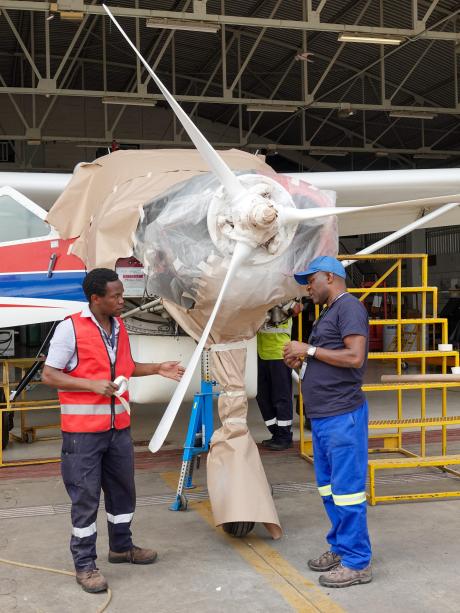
[95, 141]
[296, 104]
[256, 22]
[22, 44]
[339, 63]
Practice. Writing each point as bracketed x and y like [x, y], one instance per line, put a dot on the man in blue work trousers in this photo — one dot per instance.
[332, 365]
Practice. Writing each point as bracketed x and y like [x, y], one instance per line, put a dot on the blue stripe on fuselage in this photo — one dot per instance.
[60, 286]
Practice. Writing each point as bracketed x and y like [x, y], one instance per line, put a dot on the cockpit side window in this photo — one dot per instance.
[18, 223]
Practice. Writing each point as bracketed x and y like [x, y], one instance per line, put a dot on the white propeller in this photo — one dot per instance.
[216, 163]
[239, 255]
[237, 193]
[295, 216]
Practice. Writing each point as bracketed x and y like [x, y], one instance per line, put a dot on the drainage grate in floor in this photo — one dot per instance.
[289, 487]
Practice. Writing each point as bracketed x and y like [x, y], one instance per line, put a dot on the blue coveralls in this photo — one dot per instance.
[338, 411]
[340, 454]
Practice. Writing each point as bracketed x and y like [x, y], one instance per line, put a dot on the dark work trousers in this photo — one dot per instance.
[274, 397]
[91, 461]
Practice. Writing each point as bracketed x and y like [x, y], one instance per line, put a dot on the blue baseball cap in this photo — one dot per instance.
[322, 263]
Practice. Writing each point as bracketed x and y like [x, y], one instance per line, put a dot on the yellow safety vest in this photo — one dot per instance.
[271, 341]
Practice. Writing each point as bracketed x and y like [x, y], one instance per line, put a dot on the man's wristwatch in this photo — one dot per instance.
[311, 351]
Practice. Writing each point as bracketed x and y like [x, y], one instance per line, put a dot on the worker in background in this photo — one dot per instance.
[88, 351]
[274, 385]
[332, 366]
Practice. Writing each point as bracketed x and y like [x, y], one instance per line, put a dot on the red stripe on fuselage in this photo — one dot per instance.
[35, 257]
[27, 306]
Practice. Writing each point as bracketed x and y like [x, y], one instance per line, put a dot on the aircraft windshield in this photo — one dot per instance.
[18, 223]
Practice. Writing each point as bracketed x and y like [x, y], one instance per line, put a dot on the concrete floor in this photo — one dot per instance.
[200, 568]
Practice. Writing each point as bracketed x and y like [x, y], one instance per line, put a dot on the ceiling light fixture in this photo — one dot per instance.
[66, 15]
[431, 156]
[377, 39]
[128, 101]
[333, 152]
[271, 108]
[182, 24]
[412, 114]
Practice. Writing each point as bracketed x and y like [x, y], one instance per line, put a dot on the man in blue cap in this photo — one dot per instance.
[332, 366]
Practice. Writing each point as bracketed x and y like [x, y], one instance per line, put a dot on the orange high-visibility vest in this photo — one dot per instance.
[87, 411]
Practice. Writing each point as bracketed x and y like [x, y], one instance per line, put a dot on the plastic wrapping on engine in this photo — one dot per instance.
[174, 244]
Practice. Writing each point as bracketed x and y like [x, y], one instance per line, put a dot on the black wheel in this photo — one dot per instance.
[238, 528]
[183, 502]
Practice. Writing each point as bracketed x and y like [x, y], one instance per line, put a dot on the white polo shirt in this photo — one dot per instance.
[62, 353]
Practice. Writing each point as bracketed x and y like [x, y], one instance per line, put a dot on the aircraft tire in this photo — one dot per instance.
[238, 528]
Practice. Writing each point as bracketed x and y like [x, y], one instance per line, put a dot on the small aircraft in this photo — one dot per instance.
[252, 219]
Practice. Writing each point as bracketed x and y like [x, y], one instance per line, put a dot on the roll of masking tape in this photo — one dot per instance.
[445, 347]
[122, 383]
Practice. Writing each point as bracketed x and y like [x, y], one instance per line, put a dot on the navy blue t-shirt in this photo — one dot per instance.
[331, 390]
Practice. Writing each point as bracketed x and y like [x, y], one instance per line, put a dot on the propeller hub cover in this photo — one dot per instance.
[253, 219]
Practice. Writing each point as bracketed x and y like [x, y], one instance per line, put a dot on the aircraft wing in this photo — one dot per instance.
[362, 188]
[43, 188]
[26, 311]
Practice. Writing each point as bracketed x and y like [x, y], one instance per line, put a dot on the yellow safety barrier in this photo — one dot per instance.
[23, 406]
[392, 441]
[412, 462]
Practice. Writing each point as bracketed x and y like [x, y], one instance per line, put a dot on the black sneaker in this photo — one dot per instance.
[267, 441]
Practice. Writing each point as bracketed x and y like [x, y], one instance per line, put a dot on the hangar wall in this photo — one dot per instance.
[146, 126]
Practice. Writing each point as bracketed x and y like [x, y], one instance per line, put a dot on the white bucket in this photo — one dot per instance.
[389, 337]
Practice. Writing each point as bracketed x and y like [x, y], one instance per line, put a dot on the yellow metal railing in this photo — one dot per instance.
[23, 406]
[392, 441]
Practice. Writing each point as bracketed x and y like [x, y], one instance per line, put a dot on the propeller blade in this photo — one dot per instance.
[242, 251]
[230, 182]
[294, 216]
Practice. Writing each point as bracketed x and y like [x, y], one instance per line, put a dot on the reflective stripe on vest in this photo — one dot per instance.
[271, 341]
[90, 409]
[87, 411]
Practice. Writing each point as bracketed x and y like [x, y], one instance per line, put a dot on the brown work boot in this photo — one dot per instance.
[91, 581]
[135, 555]
[341, 576]
[325, 562]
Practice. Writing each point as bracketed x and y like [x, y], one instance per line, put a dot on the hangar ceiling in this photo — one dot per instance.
[275, 75]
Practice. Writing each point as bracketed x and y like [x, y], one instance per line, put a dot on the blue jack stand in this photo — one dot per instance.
[200, 430]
